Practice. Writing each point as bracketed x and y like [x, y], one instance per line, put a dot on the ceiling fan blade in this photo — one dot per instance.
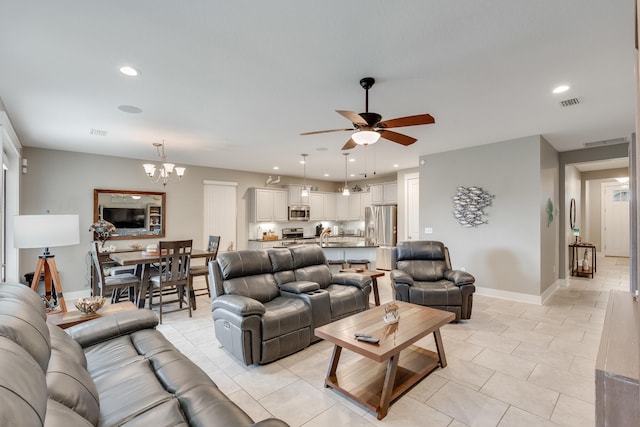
[420, 119]
[349, 145]
[354, 118]
[325, 131]
[397, 137]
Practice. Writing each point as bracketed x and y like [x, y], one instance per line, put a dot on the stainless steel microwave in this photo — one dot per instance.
[298, 213]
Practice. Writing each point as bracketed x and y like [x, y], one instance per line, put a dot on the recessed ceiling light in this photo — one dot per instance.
[276, 168]
[321, 149]
[127, 70]
[129, 109]
[326, 174]
[396, 165]
[352, 159]
[561, 89]
[353, 174]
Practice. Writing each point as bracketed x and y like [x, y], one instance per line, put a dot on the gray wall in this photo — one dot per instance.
[63, 182]
[549, 239]
[505, 253]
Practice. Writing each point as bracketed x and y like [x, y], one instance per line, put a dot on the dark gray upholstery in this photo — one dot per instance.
[422, 275]
[267, 303]
[112, 371]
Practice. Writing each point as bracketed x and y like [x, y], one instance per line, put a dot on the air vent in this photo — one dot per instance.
[605, 142]
[98, 132]
[570, 102]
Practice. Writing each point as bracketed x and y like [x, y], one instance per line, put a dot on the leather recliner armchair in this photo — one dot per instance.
[422, 275]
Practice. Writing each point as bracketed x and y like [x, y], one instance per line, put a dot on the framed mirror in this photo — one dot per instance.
[135, 214]
[572, 213]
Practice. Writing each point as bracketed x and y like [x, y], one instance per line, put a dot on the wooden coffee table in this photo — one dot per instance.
[368, 382]
[374, 280]
[70, 318]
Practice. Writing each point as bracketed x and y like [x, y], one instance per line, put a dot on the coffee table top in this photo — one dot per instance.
[415, 322]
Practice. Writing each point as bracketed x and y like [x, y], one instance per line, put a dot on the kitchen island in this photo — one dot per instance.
[351, 250]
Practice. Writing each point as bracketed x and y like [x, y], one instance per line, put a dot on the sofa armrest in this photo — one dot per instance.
[459, 277]
[401, 276]
[299, 287]
[351, 279]
[238, 304]
[112, 326]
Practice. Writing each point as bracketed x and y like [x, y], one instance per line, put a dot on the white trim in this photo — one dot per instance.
[520, 297]
[228, 183]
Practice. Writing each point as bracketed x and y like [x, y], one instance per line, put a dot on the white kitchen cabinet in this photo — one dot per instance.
[330, 206]
[354, 206]
[365, 202]
[316, 206]
[342, 207]
[322, 206]
[295, 196]
[384, 194]
[268, 205]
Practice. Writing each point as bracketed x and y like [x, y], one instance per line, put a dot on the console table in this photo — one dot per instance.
[576, 264]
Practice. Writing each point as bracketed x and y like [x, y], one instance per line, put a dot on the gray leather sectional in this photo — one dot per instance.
[267, 303]
[113, 371]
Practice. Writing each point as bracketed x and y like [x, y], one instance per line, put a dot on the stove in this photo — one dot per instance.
[293, 233]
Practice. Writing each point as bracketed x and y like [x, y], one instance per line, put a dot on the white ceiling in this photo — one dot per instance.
[231, 84]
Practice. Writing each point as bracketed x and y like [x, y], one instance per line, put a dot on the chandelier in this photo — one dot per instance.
[164, 173]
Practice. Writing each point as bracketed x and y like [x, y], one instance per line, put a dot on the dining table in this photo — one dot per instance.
[143, 260]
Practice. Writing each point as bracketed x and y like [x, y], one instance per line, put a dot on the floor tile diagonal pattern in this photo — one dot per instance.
[511, 364]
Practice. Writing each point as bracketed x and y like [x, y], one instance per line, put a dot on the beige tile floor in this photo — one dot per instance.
[511, 364]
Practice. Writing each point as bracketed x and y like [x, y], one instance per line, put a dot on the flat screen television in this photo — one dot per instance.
[125, 217]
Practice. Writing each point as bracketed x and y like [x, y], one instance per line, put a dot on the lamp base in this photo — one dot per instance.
[47, 262]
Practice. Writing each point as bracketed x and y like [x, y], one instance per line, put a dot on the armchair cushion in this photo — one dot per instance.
[401, 276]
[440, 293]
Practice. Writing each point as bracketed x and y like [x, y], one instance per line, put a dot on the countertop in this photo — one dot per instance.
[347, 245]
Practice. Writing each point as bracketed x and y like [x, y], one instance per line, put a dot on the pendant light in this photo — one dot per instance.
[345, 191]
[304, 192]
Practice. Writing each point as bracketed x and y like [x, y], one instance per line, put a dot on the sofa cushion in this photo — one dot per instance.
[282, 265]
[442, 292]
[23, 397]
[62, 342]
[248, 273]
[60, 415]
[284, 315]
[26, 325]
[70, 384]
[320, 273]
[345, 300]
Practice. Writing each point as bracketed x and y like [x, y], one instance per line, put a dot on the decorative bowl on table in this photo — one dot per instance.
[89, 305]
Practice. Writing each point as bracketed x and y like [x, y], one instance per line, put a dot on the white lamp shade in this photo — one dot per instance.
[365, 137]
[45, 231]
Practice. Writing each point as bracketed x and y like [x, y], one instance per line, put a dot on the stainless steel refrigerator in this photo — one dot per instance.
[381, 229]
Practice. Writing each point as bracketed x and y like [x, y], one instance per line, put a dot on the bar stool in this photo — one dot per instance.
[363, 262]
[339, 262]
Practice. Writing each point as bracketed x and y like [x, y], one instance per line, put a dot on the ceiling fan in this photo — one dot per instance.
[369, 127]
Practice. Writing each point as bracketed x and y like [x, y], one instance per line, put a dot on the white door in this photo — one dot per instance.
[412, 201]
[615, 219]
[220, 213]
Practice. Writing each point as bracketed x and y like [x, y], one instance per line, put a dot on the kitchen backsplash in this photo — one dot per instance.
[347, 228]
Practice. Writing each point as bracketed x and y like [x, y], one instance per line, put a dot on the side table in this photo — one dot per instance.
[70, 318]
[374, 280]
[576, 267]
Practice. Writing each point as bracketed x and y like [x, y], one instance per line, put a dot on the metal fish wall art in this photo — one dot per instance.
[468, 205]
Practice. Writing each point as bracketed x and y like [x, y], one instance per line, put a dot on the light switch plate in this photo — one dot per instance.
[428, 230]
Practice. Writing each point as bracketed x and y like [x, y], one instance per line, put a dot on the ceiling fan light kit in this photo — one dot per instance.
[365, 137]
[369, 127]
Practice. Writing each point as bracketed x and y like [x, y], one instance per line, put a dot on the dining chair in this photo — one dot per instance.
[203, 270]
[173, 276]
[114, 285]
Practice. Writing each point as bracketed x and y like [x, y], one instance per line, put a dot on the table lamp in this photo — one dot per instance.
[46, 231]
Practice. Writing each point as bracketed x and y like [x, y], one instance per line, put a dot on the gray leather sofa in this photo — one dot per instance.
[267, 303]
[112, 371]
[422, 275]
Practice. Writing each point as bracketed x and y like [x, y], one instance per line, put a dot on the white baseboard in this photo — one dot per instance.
[518, 296]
